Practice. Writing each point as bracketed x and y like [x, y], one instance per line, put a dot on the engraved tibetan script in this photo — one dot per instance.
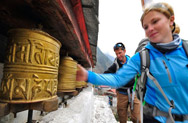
[33, 52]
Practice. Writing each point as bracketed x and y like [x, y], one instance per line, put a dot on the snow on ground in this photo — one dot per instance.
[102, 111]
[84, 108]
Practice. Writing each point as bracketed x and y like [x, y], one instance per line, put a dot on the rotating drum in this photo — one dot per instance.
[67, 75]
[31, 67]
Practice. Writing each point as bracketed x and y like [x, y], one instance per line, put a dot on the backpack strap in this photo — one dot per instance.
[116, 63]
[145, 63]
[139, 86]
[170, 102]
[185, 46]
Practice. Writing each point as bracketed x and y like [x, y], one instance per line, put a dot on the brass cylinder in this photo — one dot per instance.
[81, 84]
[84, 84]
[31, 67]
[67, 75]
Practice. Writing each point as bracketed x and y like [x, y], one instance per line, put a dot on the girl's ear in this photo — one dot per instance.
[172, 23]
[172, 20]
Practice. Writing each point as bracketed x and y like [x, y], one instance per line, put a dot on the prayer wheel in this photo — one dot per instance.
[84, 84]
[67, 75]
[81, 84]
[31, 67]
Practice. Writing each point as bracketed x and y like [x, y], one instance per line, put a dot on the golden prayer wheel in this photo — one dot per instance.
[31, 67]
[81, 84]
[67, 75]
[84, 84]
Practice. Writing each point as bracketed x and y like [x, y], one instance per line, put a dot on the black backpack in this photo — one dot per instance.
[140, 80]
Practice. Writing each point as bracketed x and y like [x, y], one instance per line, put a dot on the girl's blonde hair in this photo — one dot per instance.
[163, 8]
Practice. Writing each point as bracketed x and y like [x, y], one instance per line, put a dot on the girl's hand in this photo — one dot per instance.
[82, 74]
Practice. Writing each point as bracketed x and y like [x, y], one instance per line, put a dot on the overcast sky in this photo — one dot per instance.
[120, 22]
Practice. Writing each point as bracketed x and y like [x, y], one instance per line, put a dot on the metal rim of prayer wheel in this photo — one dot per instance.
[68, 62]
[31, 67]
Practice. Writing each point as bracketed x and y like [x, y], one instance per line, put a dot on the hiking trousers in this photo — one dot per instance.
[122, 108]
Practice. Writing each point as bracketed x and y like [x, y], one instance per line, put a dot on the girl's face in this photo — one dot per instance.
[158, 27]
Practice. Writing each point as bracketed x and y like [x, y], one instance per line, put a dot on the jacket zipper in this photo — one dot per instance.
[168, 72]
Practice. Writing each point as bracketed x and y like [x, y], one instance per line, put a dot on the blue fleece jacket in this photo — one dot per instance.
[177, 89]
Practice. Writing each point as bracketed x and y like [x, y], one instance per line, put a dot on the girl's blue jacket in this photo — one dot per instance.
[174, 83]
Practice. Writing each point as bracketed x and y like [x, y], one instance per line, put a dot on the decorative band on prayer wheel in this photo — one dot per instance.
[31, 67]
[67, 75]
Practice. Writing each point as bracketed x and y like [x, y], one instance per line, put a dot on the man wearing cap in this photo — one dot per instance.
[124, 93]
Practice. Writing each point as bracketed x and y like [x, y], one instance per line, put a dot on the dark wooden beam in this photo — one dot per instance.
[47, 15]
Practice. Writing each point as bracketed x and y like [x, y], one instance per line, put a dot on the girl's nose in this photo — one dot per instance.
[150, 28]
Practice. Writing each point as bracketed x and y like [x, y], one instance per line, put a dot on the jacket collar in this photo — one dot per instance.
[150, 47]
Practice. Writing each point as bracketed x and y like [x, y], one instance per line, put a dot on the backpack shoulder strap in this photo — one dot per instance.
[145, 59]
[141, 85]
[185, 46]
[145, 63]
[116, 63]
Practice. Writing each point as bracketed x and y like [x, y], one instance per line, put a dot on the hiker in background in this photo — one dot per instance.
[110, 98]
[124, 93]
[168, 66]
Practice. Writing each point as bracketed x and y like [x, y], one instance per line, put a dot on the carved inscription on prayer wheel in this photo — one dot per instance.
[31, 67]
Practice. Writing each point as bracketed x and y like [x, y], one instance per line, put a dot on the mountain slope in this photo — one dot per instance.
[103, 62]
[110, 57]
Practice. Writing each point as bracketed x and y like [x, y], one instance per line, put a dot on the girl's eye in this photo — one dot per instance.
[145, 27]
[154, 21]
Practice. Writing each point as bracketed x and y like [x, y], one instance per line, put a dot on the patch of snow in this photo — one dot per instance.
[102, 111]
[83, 108]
